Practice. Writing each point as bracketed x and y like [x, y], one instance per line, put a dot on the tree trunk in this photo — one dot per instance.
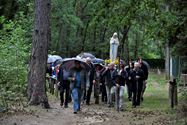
[94, 39]
[136, 46]
[37, 67]
[167, 61]
[125, 45]
[84, 37]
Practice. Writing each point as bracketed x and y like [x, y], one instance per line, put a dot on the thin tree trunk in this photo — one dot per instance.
[167, 60]
[67, 43]
[124, 43]
[102, 41]
[84, 37]
[94, 39]
[60, 39]
[136, 47]
[37, 67]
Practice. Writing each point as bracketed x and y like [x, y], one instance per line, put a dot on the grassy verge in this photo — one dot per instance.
[156, 102]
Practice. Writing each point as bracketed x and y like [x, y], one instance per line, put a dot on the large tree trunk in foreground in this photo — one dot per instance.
[37, 68]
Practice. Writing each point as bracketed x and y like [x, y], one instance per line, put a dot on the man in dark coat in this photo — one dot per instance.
[144, 67]
[109, 74]
[63, 76]
[129, 82]
[137, 77]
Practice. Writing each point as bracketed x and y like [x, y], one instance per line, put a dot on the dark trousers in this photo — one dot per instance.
[51, 85]
[139, 93]
[136, 93]
[104, 95]
[89, 92]
[64, 88]
[129, 89]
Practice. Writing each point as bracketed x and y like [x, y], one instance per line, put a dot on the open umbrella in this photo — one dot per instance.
[97, 60]
[53, 58]
[101, 66]
[85, 55]
[70, 63]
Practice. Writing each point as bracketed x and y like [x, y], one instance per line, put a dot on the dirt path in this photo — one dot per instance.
[91, 115]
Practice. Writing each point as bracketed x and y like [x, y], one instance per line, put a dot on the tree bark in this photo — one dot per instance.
[167, 60]
[37, 67]
[136, 46]
[125, 45]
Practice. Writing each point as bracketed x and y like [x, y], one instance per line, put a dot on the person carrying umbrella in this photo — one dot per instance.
[78, 78]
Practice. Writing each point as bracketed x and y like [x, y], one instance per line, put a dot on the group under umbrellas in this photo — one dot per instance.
[69, 63]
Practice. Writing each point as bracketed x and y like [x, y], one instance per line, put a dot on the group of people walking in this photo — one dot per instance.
[109, 81]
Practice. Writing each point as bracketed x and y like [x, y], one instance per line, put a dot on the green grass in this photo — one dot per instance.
[156, 94]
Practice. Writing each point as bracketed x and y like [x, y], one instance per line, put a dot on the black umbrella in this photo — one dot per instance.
[100, 65]
[70, 63]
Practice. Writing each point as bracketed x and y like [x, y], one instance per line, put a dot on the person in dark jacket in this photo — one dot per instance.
[128, 81]
[63, 76]
[91, 77]
[124, 74]
[137, 77]
[78, 83]
[96, 82]
[144, 67]
[109, 74]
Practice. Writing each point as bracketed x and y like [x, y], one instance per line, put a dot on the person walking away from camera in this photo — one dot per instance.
[137, 77]
[109, 74]
[90, 80]
[129, 81]
[63, 76]
[78, 80]
[144, 67]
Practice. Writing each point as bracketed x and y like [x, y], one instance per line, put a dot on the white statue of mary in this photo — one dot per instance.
[114, 43]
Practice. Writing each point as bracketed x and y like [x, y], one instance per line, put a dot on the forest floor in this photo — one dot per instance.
[154, 110]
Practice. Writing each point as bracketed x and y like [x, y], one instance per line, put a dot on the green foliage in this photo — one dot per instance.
[14, 52]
